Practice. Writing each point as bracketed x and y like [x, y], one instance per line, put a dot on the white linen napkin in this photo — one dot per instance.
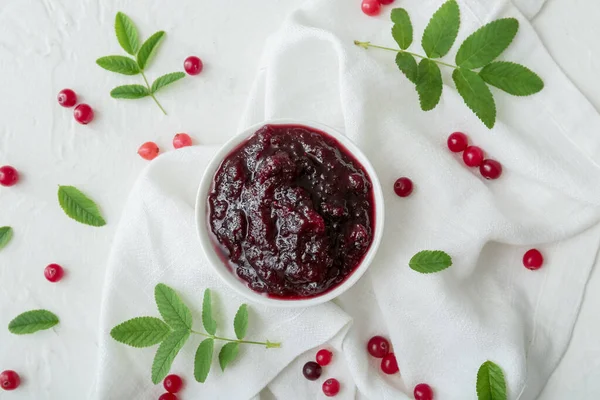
[443, 326]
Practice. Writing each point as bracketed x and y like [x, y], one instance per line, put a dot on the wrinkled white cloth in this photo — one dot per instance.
[443, 326]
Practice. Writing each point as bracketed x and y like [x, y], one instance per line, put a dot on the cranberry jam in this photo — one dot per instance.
[292, 211]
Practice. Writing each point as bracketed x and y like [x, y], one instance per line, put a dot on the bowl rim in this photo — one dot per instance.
[228, 276]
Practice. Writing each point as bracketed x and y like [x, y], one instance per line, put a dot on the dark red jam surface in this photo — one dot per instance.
[292, 211]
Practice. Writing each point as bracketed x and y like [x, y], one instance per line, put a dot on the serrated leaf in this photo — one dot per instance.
[490, 382]
[166, 80]
[476, 94]
[441, 31]
[79, 207]
[6, 234]
[408, 65]
[429, 84]
[129, 92]
[119, 64]
[402, 30]
[486, 43]
[203, 360]
[141, 332]
[175, 313]
[126, 33]
[32, 321]
[207, 320]
[428, 261]
[512, 78]
[148, 49]
[166, 353]
[240, 322]
[227, 354]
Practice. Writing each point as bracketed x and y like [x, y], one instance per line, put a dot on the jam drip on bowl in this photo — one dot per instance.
[291, 211]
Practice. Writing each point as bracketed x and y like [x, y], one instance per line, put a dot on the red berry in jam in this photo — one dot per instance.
[311, 371]
[490, 169]
[331, 387]
[324, 357]
[193, 65]
[9, 380]
[386, 2]
[423, 392]
[533, 259]
[173, 383]
[67, 98]
[473, 156]
[403, 187]
[8, 176]
[83, 114]
[148, 151]
[389, 365]
[371, 7]
[167, 396]
[457, 142]
[54, 272]
[378, 346]
[182, 140]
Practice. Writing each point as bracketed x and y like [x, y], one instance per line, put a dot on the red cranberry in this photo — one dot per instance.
[378, 346]
[312, 371]
[8, 176]
[423, 392]
[385, 2]
[54, 272]
[9, 380]
[167, 396]
[67, 98]
[83, 114]
[173, 383]
[457, 142]
[403, 187]
[331, 387]
[148, 151]
[182, 140]
[490, 169]
[324, 357]
[389, 365]
[371, 7]
[533, 259]
[193, 65]
[473, 156]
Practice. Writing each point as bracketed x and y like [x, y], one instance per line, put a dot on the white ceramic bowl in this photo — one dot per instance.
[229, 276]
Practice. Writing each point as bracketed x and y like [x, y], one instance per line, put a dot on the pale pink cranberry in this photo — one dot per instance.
[473, 156]
[193, 65]
[182, 140]
[423, 392]
[67, 98]
[457, 142]
[331, 387]
[371, 7]
[9, 380]
[490, 169]
[148, 151]
[533, 259]
[8, 176]
[389, 365]
[83, 114]
[54, 273]
[324, 357]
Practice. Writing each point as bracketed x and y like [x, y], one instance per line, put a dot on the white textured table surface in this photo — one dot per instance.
[47, 45]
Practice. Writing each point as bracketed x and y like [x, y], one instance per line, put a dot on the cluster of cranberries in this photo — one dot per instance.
[149, 150]
[83, 113]
[312, 371]
[173, 384]
[373, 7]
[473, 156]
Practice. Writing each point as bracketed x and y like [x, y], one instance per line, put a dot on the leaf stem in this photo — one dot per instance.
[366, 45]
[269, 345]
[152, 94]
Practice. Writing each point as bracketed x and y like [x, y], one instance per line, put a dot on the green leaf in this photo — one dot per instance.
[79, 207]
[429, 84]
[129, 92]
[141, 332]
[6, 233]
[148, 49]
[486, 43]
[171, 308]
[166, 353]
[476, 94]
[240, 322]
[428, 261]
[402, 30]
[440, 33]
[32, 321]
[512, 78]
[228, 353]
[120, 64]
[408, 65]
[126, 33]
[166, 80]
[490, 382]
[203, 360]
[207, 320]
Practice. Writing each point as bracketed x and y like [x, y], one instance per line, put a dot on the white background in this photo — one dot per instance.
[47, 45]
